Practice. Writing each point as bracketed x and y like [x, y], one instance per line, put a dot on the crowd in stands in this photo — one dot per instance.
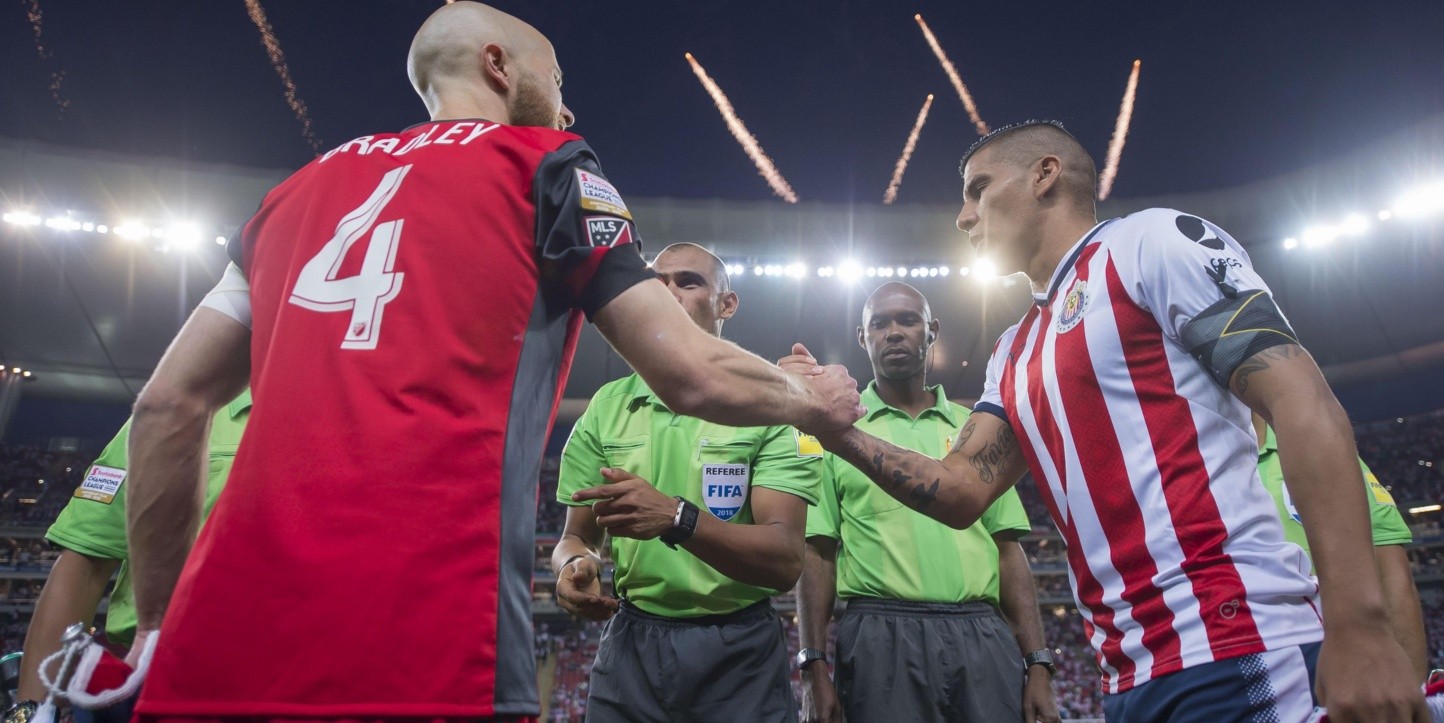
[1406, 455]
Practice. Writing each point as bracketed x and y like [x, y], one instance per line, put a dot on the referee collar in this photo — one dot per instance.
[1068, 261]
[876, 407]
[240, 405]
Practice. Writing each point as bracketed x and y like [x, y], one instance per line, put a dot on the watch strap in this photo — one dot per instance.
[684, 525]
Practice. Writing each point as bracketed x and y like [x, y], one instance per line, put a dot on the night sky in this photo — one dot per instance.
[1230, 92]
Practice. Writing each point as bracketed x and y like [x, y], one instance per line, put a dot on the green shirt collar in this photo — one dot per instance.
[240, 405]
[876, 407]
[1268, 443]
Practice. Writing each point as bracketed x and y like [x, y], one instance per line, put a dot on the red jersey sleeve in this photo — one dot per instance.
[588, 247]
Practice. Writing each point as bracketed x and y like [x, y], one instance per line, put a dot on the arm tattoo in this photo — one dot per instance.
[1261, 361]
[989, 460]
[892, 477]
[965, 435]
[924, 495]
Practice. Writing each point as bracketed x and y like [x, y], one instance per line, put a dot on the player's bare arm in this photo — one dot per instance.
[1406, 615]
[71, 595]
[816, 595]
[955, 490]
[1018, 601]
[699, 375]
[1363, 674]
[206, 366]
[767, 553]
[577, 562]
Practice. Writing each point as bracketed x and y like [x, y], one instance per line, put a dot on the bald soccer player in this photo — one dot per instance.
[416, 299]
[1126, 390]
[915, 588]
[707, 524]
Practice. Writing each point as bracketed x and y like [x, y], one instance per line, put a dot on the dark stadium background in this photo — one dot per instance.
[1269, 119]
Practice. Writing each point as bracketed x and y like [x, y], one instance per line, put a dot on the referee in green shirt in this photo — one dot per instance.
[922, 638]
[1391, 534]
[695, 637]
[91, 534]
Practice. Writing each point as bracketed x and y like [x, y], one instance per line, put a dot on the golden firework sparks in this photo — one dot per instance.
[907, 153]
[765, 168]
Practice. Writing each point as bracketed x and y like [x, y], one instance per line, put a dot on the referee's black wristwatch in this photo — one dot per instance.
[684, 525]
[808, 656]
[1042, 657]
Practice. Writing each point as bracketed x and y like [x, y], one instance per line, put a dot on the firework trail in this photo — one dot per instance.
[1120, 133]
[278, 61]
[902, 161]
[739, 131]
[57, 77]
[953, 76]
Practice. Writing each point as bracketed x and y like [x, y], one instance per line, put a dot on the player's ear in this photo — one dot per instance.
[1047, 174]
[496, 66]
[932, 331]
[727, 303]
[861, 337]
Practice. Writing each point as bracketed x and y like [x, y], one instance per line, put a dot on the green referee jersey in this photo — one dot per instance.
[93, 523]
[627, 427]
[887, 550]
[1389, 526]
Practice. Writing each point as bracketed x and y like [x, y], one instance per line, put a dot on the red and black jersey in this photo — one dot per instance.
[416, 302]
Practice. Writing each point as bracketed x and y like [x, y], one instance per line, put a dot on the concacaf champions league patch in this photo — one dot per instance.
[598, 194]
[1074, 304]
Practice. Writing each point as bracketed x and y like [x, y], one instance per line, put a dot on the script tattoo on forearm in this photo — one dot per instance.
[990, 460]
[895, 480]
[1261, 361]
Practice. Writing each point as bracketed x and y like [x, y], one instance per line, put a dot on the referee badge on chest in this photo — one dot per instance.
[1074, 304]
[724, 488]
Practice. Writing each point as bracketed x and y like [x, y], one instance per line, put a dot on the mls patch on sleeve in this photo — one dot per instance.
[608, 231]
[598, 194]
[807, 445]
[724, 488]
[101, 484]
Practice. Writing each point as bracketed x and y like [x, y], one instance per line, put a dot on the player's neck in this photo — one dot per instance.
[910, 395]
[1056, 240]
[466, 106]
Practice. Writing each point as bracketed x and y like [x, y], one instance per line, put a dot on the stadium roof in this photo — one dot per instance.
[91, 313]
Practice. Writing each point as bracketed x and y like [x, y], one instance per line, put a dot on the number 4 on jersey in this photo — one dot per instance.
[366, 294]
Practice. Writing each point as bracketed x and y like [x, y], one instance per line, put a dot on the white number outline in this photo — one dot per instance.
[366, 294]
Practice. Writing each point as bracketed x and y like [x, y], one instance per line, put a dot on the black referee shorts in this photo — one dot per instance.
[722, 668]
[924, 662]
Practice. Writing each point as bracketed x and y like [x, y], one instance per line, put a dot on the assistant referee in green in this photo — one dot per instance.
[707, 524]
[923, 638]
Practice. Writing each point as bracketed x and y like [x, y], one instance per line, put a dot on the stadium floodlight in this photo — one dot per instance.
[871, 272]
[1355, 225]
[1385, 215]
[795, 270]
[132, 231]
[1422, 201]
[1319, 235]
[62, 223]
[902, 271]
[964, 271]
[757, 270]
[87, 226]
[183, 235]
[943, 271]
[824, 271]
[849, 271]
[21, 218]
[26, 374]
[933, 271]
[1425, 508]
[221, 241]
[102, 228]
[985, 269]
[1291, 243]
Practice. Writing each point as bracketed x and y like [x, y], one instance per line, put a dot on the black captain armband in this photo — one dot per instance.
[1222, 336]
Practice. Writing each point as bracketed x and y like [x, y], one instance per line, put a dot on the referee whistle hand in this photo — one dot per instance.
[579, 590]
[628, 506]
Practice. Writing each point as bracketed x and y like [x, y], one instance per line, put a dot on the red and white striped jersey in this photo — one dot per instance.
[1175, 553]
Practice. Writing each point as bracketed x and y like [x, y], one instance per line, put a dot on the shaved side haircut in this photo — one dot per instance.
[1024, 143]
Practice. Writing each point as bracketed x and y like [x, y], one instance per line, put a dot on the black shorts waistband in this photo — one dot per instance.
[750, 614]
[885, 606]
